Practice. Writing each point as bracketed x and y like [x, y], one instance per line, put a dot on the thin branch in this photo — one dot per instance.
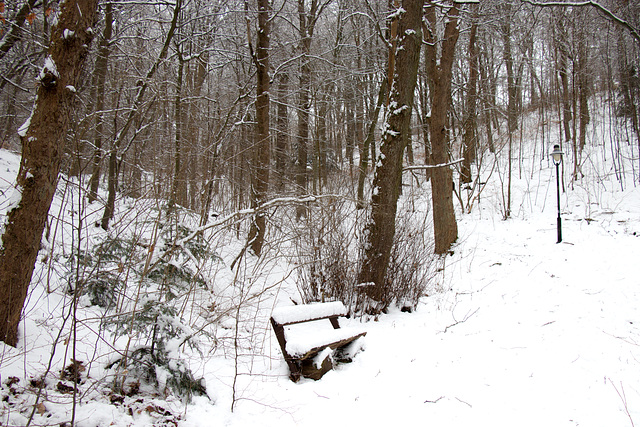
[610, 15]
[441, 165]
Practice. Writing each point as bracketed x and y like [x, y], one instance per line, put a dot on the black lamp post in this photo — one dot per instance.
[556, 155]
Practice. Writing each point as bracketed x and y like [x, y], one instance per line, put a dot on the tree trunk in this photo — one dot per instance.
[469, 137]
[512, 122]
[100, 74]
[364, 153]
[261, 151]
[42, 148]
[134, 112]
[178, 187]
[282, 132]
[307, 21]
[380, 230]
[439, 72]
[320, 150]
[303, 134]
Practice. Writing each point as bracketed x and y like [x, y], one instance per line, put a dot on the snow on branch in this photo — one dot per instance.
[277, 202]
[610, 15]
[441, 165]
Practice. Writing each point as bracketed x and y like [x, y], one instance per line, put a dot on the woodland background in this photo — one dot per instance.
[208, 142]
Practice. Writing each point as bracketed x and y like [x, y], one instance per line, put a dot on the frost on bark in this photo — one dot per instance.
[43, 141]
[380, 230]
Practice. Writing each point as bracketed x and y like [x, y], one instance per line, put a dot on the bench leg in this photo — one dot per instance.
[294, 365]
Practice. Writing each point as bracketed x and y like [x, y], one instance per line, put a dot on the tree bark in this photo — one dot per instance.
[439, 73]
[282, 132]
[261, 151]
[42, 148]
[364, 153]
[380, 230]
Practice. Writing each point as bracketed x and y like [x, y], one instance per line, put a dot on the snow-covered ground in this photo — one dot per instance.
[527, 332]
[518, 330]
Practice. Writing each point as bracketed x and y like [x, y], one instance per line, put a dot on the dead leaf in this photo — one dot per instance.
[41, 408]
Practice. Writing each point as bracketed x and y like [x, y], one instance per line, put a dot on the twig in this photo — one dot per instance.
[610, 15]
[467, 317]
[623, 398]
[462, 401]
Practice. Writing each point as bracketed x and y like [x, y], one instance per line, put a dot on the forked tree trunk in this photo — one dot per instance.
[380, 230]
[42, 148]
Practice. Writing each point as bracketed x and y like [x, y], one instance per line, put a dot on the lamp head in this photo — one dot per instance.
[556, 154]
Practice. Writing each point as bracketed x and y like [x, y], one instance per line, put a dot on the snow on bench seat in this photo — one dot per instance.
[304, 331]
[307, 312]
[303, 340]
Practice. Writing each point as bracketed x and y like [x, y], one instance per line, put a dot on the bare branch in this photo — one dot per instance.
[441, 165]
[610, 15]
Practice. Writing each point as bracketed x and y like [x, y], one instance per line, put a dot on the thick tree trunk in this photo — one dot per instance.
[262, 150]
[43, 143]
[439, 72]
[380, 230]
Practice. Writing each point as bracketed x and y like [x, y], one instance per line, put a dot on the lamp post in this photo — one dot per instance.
[556, 156]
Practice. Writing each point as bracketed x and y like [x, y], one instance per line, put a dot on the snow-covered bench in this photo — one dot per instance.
[309, 349]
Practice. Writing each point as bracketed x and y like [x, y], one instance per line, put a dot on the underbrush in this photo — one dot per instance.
[329, 255]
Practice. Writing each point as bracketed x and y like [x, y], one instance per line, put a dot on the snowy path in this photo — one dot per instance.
[548, 335]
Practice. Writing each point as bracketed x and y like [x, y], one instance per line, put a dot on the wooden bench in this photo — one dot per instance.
[301, 345]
